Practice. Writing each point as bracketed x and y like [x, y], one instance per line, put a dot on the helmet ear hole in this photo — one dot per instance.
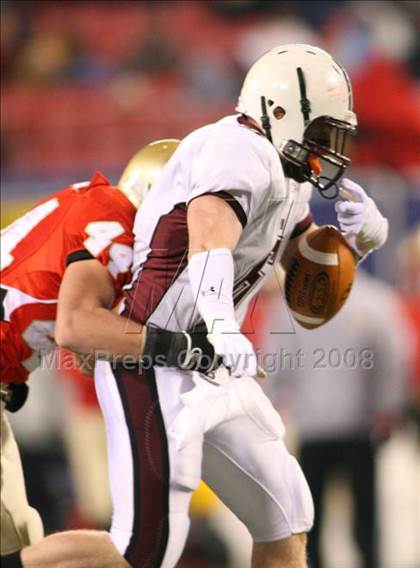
[279, 112]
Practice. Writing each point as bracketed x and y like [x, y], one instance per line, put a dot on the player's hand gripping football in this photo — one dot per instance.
[362, 224]
[235, 349]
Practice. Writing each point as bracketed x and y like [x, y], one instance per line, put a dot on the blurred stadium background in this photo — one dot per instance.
[85, 84]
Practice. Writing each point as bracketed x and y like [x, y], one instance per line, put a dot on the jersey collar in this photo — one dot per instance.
[98, 179]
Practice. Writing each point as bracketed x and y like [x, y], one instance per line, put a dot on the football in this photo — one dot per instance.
[319, 277]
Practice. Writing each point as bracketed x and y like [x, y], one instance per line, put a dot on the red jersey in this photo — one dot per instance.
[83, 221]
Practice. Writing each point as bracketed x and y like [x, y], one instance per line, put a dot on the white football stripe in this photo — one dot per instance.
[307, 319]
[326, 258]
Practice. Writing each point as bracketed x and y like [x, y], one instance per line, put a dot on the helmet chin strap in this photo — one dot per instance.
[299, 173]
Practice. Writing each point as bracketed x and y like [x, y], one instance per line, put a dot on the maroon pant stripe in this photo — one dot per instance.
[140, 400]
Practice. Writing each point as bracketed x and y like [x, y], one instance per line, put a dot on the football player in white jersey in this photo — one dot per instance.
[231, 202]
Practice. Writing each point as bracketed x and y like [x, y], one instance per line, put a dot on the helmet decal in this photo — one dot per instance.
[305, 104]
[265, 121]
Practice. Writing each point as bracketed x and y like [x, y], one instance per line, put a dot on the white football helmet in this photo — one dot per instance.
[144, 168]
[302, 100]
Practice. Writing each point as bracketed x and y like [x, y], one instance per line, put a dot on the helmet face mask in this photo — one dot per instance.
[302, 100]
[325, 140]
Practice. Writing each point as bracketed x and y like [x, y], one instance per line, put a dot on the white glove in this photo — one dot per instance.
[237, 352]
[362, 224]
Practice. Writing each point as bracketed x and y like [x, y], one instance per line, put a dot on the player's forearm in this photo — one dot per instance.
[100, 332]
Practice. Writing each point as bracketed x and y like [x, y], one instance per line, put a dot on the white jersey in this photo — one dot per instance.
[231, 159]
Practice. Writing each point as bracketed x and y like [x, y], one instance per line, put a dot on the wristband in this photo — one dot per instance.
[211, 276]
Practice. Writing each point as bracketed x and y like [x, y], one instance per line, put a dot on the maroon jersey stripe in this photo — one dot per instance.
[167, 259]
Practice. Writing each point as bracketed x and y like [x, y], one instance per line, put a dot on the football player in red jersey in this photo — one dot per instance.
[40, 262]
[65, 261]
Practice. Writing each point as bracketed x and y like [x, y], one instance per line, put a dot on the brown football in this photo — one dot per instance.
[319, 277]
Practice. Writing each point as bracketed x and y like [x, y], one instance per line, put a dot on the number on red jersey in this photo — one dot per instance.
[17, 231]
[101, 235]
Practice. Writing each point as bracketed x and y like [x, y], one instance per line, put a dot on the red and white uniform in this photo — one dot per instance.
[83, 221]
[167, 428]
